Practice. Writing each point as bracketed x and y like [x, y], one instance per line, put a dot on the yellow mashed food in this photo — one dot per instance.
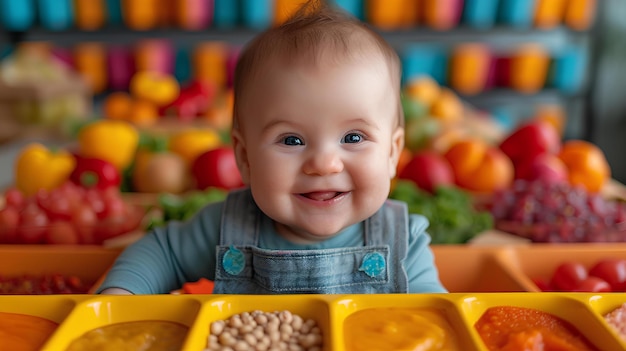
[133, 336]
[399, 329]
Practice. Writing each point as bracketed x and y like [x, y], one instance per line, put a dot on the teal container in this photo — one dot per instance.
[480, 13]
[17, 15]
[56, 14]
[114, 11]
[182, 65]
[226, 13]
[424, 59]
[517, 13]
[353, 7]
[568, 70]
[257, 14]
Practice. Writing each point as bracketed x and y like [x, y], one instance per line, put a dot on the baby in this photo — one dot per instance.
[317, 133]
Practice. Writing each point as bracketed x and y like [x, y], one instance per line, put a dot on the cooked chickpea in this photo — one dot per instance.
[261, 331]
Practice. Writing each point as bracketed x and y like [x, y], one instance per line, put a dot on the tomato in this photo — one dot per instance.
[33, 225]
[568, 275]
[9, 220]
[62, 232]
[85, 219]
[56, 207]
[613, 271]
[217, 168]
[592, 284]
[94, 199]
[14, 198]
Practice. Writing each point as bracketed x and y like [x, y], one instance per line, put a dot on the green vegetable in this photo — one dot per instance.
[453, 218]
[183, 207]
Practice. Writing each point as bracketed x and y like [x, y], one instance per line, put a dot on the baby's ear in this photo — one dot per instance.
[241, 155]
[397, 145]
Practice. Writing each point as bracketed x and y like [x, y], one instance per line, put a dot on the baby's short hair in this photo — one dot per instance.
[316, 31]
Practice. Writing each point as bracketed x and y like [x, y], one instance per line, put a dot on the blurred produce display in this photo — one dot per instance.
[37, 92]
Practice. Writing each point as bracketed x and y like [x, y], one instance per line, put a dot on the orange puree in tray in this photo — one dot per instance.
[132, 336]
[399, 329]
[21, 332]
[517, 328]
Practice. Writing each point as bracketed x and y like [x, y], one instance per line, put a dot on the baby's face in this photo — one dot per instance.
[319, 145]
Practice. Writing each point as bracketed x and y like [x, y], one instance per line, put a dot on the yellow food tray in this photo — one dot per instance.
[78, 314]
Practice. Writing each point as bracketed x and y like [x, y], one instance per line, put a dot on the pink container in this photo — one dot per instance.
[154, 55]
[121, 67]
[194, 14]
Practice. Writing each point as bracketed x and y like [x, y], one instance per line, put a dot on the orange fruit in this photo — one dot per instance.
[423, 89]
[480, 167]
[143, 113]
[117, 105]
[586, 164]
[447, 107]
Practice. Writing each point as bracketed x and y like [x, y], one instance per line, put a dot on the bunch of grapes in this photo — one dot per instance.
[558, 212]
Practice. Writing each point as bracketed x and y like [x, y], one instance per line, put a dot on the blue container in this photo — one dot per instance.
[568, 69]
[257, 14]
[480, 13]
[424, 59]
[17, 15]
[56, 14]
[182, 65]
[114, 11]
[353, 7]
[225, 13]
[517, 13]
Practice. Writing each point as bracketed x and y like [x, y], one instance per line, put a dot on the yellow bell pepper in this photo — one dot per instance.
[189, 144]
[37, 167]
[114, 141]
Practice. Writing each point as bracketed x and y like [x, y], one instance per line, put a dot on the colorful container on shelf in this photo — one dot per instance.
[469, 68]
[17, 15]
[425, 59]
[442, 14]
[89, 14]
[257, 14]
[55, 14]
[517, 13]
[569, 69]
[78, 314]
[480, 13]
[225, 14]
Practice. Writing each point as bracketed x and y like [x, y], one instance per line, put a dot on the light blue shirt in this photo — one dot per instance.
[182, 252]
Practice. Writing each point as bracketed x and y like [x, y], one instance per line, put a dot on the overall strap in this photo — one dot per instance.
[240, 219]
[389, 226]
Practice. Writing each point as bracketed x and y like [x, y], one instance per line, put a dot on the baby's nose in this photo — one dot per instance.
[323, 163]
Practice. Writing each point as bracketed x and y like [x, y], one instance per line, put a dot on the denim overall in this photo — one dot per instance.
[244, 268]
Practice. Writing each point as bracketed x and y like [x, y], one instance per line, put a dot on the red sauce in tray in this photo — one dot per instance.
[518, 328]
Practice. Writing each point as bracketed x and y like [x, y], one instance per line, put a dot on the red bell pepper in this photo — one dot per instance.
[95, 173]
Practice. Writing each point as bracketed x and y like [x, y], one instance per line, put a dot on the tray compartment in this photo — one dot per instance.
[103, 310]
[605, 303]
[465, 268]
[570, 307]
[221, 307]
[87, 263]
[343, 306]
[540, 260]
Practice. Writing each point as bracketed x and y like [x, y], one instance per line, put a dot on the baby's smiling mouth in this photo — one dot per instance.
[322, 195]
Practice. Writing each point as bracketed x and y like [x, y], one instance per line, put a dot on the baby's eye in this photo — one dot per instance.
[292, 140]
[352, 138]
